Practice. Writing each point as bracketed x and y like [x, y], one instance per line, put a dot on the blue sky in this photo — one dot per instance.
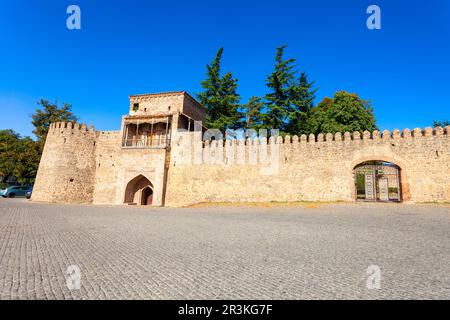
[132, 47]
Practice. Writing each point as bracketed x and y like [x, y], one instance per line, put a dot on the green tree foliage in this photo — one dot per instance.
[280, 83]
[47, 114]
[289, 99]
[254, 117]
[441, 123]
[19, 158]
[345, 112]
[220, 97]
[302, 96]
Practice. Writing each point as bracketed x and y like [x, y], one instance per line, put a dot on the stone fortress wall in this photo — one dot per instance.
[81, 165]
[116, 167]
[308, 168]
[67, 168]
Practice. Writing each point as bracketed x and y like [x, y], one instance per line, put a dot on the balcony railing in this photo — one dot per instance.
[144, 143]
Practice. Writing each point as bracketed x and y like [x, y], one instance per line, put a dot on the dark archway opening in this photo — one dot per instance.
[378, 181]
[139, 191]
[147, 197]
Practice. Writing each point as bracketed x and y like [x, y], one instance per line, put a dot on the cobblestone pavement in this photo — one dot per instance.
[224, 253]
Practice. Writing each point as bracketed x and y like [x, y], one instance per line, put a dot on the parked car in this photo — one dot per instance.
[15, 191]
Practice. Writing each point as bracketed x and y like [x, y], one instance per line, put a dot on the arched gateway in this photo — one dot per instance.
[139, 191]
[163, 136]
[378, 181]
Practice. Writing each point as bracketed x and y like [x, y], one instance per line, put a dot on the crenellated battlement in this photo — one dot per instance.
[64, 127]
[82, 165]
[366, 136]
[66, 171]
[189, 148]
[306, 167]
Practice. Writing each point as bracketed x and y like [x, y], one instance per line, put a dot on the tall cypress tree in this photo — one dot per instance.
[254, 118]
[302, 96]
[220, 97]
[278, 99]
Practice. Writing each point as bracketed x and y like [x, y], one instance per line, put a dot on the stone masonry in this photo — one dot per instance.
[82, 165]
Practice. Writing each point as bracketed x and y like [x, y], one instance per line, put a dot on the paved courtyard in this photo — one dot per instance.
[309, 252]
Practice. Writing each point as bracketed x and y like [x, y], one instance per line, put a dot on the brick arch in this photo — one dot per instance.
[134, 189]
[404, 181]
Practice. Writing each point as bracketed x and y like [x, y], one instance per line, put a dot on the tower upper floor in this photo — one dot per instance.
[153, 118]
[166, 103]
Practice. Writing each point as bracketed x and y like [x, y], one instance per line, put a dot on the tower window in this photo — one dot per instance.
[136, 107]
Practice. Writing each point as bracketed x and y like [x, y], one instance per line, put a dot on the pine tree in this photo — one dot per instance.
[302, 97]
[278, 99]
[254, 117]
[442, 124]
[220, 97]
[230, 117]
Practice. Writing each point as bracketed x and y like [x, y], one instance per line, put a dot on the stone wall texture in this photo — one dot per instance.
[116, 167]
[309, 168]
[80, 165]
[67, 168]
[156, 103]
